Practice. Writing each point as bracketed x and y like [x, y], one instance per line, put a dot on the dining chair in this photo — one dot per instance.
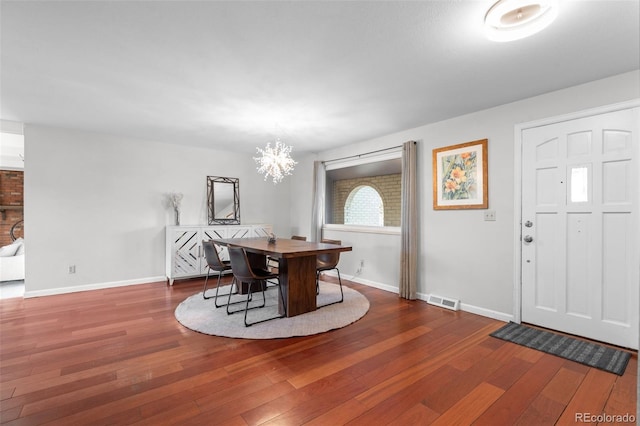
[244, 273]
[327, 262]
[214, 263]
[273, 262]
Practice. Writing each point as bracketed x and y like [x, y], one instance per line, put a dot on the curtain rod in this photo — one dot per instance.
[361, 155]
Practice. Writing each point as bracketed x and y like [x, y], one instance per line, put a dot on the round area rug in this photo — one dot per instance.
[201, 315]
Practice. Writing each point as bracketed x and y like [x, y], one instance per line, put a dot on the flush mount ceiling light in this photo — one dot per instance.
[275, 161]
[509, 20]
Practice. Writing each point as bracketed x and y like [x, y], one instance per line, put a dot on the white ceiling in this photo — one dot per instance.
[316, 74]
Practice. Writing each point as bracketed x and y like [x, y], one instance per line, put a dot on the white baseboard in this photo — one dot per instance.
[472, 309]
[96, 286]
[366, 282]
[500, 316]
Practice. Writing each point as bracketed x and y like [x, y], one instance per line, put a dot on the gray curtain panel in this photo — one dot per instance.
[409, 226]
[317, 213]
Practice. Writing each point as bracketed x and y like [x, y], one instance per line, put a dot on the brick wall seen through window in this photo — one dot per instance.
[387, 186]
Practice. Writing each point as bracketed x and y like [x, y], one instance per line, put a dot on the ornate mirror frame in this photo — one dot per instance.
[223, 200]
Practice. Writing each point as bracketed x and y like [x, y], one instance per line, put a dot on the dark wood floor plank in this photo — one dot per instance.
[449, 394]
[591, 397]
[624, 392]
[228, 405]
[512, 405]
[396, 405]
[340, 414]
[469, 408]
[383, 390]
[118, 356]
[509, 372]
[563, 385]
[416, 415]
[318, 397]
[140, 367]
[542, 411]
[339, 364]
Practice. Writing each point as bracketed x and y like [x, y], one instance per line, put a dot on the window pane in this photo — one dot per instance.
[579, 184]
[364, 207]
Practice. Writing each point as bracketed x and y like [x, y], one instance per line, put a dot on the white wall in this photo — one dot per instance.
[375, 250]
[98, 202]
[462, 256]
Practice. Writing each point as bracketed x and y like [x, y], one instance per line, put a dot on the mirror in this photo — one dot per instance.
[223, 199]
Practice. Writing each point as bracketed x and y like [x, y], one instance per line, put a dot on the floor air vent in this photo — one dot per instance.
[444, 302]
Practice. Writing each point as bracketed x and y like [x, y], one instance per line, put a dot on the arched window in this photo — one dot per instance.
[364, 207]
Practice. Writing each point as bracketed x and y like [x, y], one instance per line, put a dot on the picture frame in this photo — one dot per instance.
[460, 178]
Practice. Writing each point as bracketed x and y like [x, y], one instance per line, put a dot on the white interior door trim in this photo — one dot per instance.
[517, 180]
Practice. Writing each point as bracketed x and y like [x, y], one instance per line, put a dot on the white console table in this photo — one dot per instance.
[184, 256]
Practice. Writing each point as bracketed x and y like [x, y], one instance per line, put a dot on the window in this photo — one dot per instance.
[364, 207]
[365, 191]
[580, 184]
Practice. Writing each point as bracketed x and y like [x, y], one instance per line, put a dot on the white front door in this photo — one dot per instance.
[580, 256]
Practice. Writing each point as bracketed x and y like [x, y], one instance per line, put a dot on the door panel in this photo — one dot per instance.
[580, 256]
[578, 271]
[547, 267]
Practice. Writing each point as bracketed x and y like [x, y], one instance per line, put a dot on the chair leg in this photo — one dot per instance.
[262, 286]
[204, 290]
[284, 304]
[340, 282]
[233, 282]
[218, 288]
[341, 292]
[246, 308]
[264, 303]
[229, 300]
[249, 299]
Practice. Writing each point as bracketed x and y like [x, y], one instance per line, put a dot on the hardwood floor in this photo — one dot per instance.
[118, 356]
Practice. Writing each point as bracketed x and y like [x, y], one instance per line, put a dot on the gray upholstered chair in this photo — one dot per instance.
[327, 262]
[244, 273]
[216, 265]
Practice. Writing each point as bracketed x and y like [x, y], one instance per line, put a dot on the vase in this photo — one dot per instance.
[177, 216]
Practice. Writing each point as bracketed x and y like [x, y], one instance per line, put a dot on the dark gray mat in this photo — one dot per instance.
[587, 353]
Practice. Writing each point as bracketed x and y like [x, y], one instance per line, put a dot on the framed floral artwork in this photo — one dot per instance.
[460, 176]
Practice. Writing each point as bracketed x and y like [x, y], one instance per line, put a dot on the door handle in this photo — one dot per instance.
[528, 238]
[528, 224]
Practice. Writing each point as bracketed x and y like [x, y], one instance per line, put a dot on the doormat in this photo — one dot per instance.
[587, 353]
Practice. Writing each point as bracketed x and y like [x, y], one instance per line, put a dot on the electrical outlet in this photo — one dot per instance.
[72, 269]
[489, 215]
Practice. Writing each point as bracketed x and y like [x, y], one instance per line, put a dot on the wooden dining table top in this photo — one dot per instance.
[283, 247]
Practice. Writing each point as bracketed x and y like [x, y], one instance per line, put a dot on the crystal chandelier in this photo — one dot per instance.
[275, 161]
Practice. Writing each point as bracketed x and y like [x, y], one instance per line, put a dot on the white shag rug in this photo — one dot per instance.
[201, 315]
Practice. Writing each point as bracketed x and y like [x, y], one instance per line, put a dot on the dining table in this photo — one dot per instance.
[296, 267]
